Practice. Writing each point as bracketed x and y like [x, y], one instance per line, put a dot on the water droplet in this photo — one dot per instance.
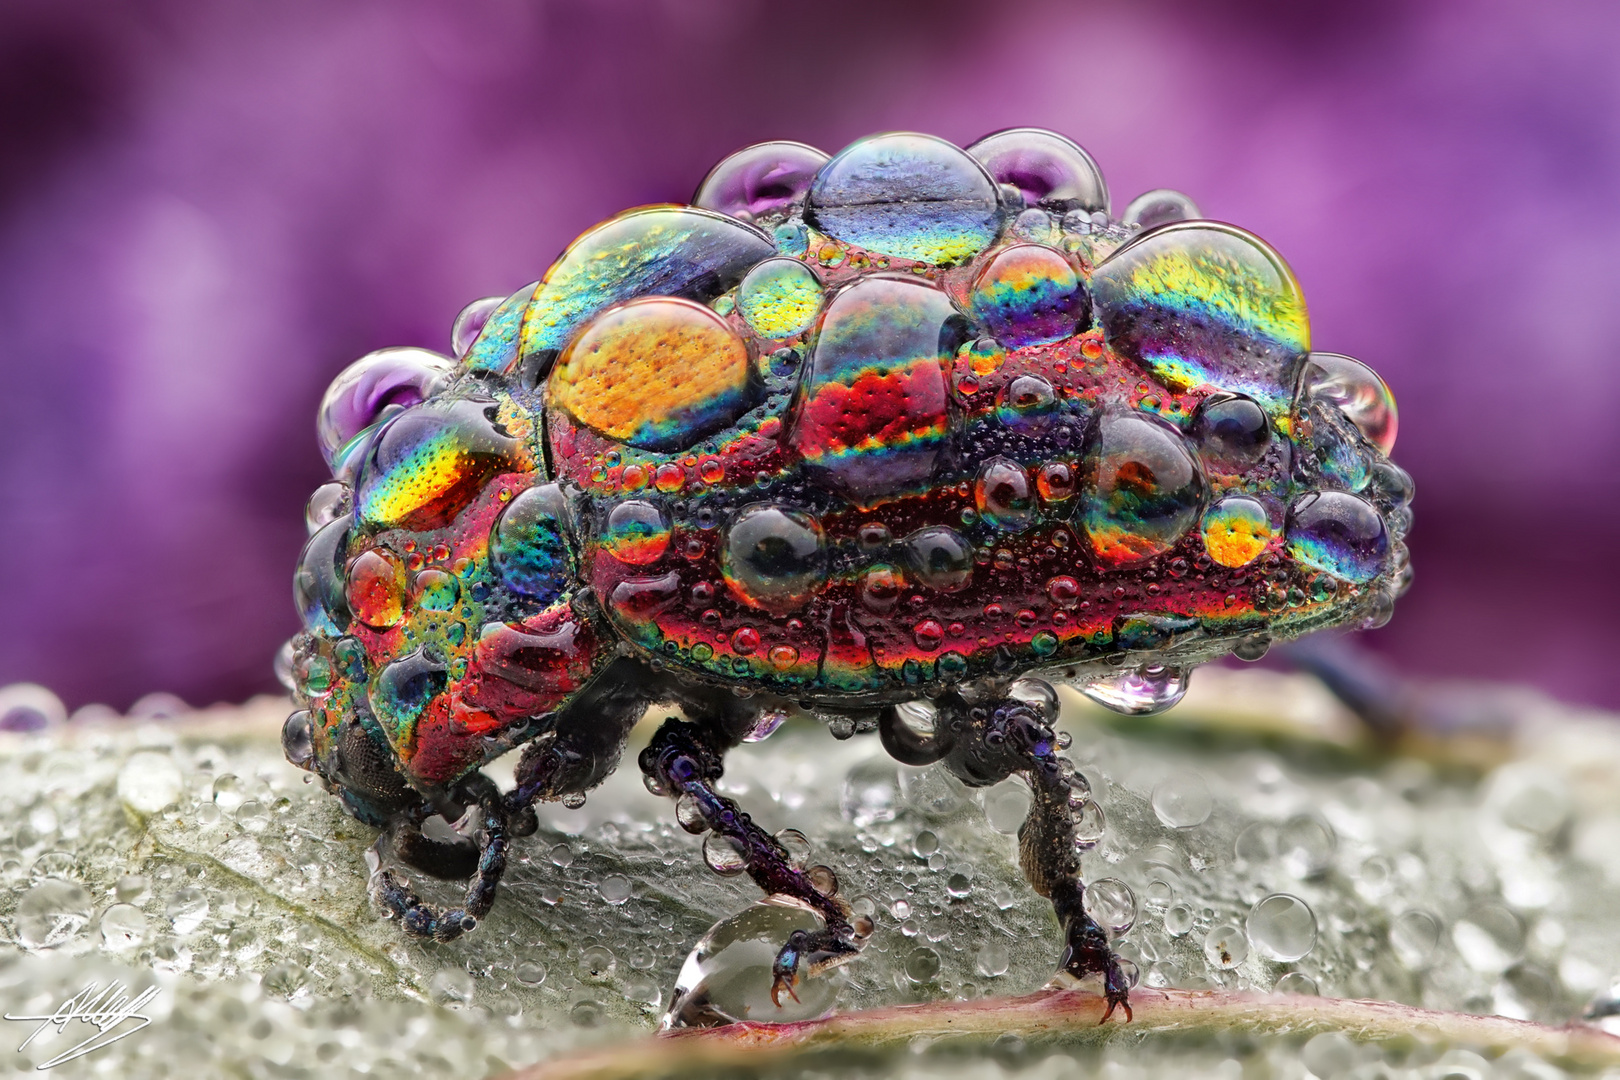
[596, 963]
[1144, 489]
[286, 979]
[1236, 530]
[318, 583]
[187, 909]
[252, 816]
[1200, 302]
[1414, 935]
[469, 323]
[872, 414]
[958, 886]
[1006, 805]
[330, 502]
[871, 793]
[881, 586]
[531, 973]
[435, 590]
[1160, 206]
[1028, 294]
[727, 977]
[149, 781]
[1306, 845]
[1232, 432]
[1089, 825]
[775, 558]
[1332, 1054]
[932, 791]
[908, 195]
[1296, 983]
[378, 381]
[637, 533]
[1225, 946]
[922, 965]
[1358, 393]
[1182, 800]
[1490, 938]
[1002, 494]
[52, 912]
[619, 376]
[1045, 168]
[123, 927]
[1178, 920]
[1112, 904]
[1282, 927]
[780, 298]
[585, 1013]
[376, 588]
[761, 181]
[1140, 691]
[529, 544]
[940, 558]
[615, 888]
[723, 855]
[992, 960]
[1340, 533]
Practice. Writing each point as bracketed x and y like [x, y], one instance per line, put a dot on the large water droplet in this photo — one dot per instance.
[760, 181]
[52, 912]
[1003, 496]
[941, 558]
[723, 855]
[529, 544]
[429, 462]
[1236, 530]
[780, 298]
[376, 588]
[1226, 946]
[1182, 800]
[1340, 533]
[362, 391]
[470, 322]
[149, 781]
[774, 558]
[1489, 938]
[297, 740]
[1232, 431]
[1112, 904]
[922, 965]
[727, 977]
[318, 582]
[123, 926]
[1358, 392]
[1029, 294]
[1144, 490]
[909, 195]
[1282, 927]
[637, 533]
[1414, 935]
[658, 373]
[1161, 206]
[1046, 168]
[1140, 691]
[329, 502]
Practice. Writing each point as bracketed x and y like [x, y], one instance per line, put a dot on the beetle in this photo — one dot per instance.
[897, 438]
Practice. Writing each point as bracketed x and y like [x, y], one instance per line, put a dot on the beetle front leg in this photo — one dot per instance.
[416, 916]
[684, 761]
[984, 744]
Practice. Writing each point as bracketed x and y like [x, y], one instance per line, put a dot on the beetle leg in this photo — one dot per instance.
[424, 920]
[684, 761]
[986, 743]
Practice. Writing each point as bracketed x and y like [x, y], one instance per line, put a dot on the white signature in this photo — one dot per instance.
[105, 1010]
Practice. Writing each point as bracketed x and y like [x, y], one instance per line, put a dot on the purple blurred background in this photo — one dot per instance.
[206, 210]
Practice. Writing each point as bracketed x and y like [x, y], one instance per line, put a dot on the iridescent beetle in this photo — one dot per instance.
[896, 438]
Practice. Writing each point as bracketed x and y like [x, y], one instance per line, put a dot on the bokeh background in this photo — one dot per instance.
[207, 210]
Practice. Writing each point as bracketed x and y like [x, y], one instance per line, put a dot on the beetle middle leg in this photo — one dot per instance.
[684, 760]
[985, 742]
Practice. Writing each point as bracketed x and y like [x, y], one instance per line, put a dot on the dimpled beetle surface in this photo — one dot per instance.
[897, 438]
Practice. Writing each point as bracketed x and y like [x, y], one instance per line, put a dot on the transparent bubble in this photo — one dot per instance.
[1006, 805]
[1112, 904]
[727, 976]
[149, 781]
[1282, 927]
[1182, 800]
[52, 912]
[992, 959]
[1414, 935]
[1141, 691]
[1226, 946]
[871, 793]
[123, 926]
[615, 888]
[922, 965]
[723, 855]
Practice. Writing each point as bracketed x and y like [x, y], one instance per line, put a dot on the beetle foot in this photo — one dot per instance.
[421, 919]
[815, 952]
[1087, 953]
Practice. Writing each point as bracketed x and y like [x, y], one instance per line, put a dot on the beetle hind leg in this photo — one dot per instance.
[683, 761]
[987, 742]
[420, 918]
